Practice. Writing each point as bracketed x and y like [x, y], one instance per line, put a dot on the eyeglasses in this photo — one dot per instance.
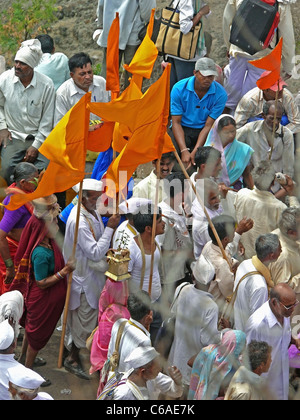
[289, 307]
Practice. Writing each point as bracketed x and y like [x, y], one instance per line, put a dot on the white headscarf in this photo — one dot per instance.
[30, 53]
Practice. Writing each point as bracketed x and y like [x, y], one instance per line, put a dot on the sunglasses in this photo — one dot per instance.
[290, 306]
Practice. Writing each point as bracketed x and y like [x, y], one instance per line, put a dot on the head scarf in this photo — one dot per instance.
[30, 53]
[214, 363]
[33, 234]
[235, 156]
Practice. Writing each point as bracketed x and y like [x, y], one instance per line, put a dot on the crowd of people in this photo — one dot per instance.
[207, 308]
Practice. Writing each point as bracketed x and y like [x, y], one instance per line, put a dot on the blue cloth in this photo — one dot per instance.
[55, 66]
[101, 165]
[195, 111]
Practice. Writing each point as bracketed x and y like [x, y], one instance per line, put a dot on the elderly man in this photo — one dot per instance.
[260, 204]
[287, 268]
[271, 323]
[24, 384]
[88, 278]
[196, 102]
[253, 279]
[280, 147]
[27, 101]
[7, 357]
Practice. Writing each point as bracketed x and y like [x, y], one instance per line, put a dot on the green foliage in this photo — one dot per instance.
[24, 20]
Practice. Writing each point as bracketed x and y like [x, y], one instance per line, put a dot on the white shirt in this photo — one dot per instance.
[85, 278]
[265, 210]
[123, 234]
[251, 105]
[134, 335]
[6, 361]
[175, 243]
[69, 94]
[263, 326]
[196, 326]
[135, 268]
[29, 110]
[146, 188]
[253, 134]
[162, 383]
[252, 293]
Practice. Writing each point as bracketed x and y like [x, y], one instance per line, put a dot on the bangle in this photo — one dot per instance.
[9, 263]
[58, 276]
[183, 150]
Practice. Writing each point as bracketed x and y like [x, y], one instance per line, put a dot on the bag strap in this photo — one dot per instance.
[119, 335]
[251, 273]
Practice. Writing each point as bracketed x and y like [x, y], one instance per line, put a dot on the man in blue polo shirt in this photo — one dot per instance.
[196, 102]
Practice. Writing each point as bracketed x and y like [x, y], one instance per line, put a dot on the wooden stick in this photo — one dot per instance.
[66, 309]
[204, 209]
[154, 225]
[274, 122]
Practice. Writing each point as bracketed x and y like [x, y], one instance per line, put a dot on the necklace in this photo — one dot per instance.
[46, 245]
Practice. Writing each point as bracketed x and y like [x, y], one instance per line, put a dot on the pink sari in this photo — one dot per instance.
[112, 306]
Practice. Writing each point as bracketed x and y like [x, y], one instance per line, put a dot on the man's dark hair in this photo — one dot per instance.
[223, 225]
[47, 43]
[267, 105]
[205, 154]
[174, 183]
[258, 353]
[139, 304]
[145, 218]
[79, 61]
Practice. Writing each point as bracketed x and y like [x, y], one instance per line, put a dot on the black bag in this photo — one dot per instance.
[254, 25]
[156, 27]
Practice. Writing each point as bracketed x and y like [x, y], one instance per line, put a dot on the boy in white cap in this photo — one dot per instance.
[24, 384]
[25, 123]
[144, 380]
[7, 359]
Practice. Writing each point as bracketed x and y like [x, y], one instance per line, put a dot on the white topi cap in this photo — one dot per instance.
[203, 270]
[141, 356]
[133, 205]
[25, 378]
[7, 335]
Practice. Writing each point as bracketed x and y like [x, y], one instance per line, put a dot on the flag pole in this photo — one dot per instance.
[274, 122]
[154, 225]
[204, 209]
[70, 277]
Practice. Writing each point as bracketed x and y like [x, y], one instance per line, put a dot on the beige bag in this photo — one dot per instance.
[171, 41]
[229, 304]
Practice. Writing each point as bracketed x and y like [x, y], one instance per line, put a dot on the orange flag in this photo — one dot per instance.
[148, 119]
[66, 148]
[112, 58]
[144, 59]
[271, 62]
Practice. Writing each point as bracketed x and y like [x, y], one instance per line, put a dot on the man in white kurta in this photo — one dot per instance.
[88, 278]
[196, 323]
[264, 326]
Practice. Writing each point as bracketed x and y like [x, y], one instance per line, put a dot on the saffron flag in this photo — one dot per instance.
[147, 119]
[144, 59]
[112, 58]
[66, 148]
[271, 62]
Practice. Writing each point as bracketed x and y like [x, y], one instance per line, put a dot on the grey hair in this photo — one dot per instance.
[263, 175]
[265, 245]
[288, 220]
[26, 391]
[23, 170]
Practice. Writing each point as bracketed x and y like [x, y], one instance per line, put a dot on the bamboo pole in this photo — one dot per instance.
[154, 225]
[274, 122]
[204, 209]
[66, 309]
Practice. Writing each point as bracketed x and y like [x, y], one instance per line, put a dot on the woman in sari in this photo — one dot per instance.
[41, 277]
[215, 366]
[13, 222]
[235, 155]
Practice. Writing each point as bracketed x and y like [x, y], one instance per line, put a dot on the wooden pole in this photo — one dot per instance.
[274, 122]
[154, 225]
[204, 209]
[66, 309]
